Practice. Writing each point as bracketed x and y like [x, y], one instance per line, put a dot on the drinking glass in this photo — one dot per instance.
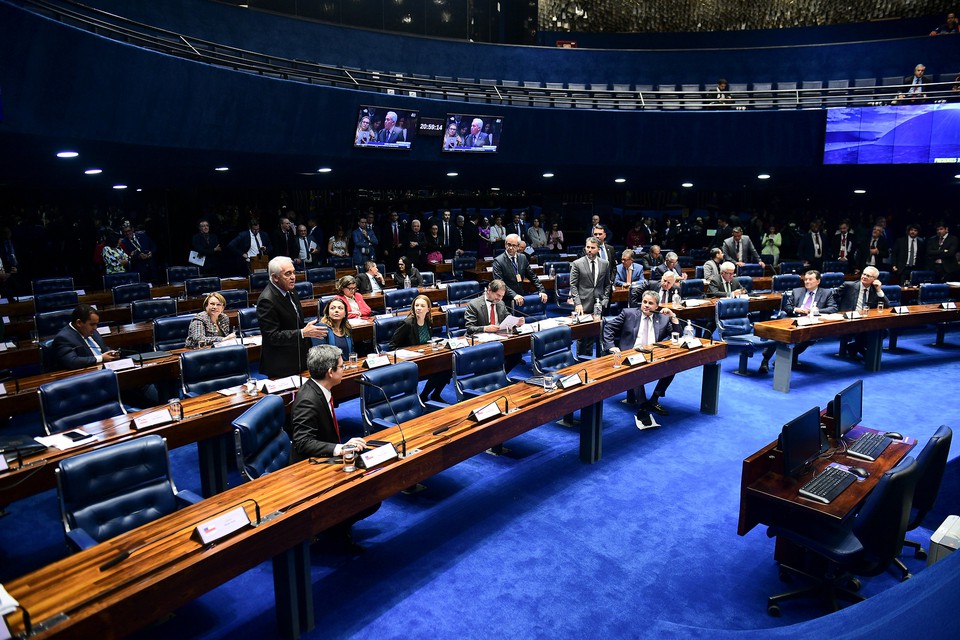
[549, 383]
[176, 410]
[880, 305]
[353, 360]
[617, 359]
[349, 457]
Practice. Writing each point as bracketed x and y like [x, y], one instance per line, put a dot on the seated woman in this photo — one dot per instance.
[405, 268]
[416, 330]
[339, 335]
[347, 292]
[210, 325]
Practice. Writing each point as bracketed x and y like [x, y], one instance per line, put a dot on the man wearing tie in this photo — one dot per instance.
[913, 90]
[512, 266]
[589, 283]
[810, 249]
[639, 328]
[907, 253]
[942, 253]
[860, 296]
[739, 249]
[629, 273]
[844, 245]
[250, 244]
[665, 288]
[607, 252]
[306, 249]
[390, 134]
[874, 251]
[78, 344]
[800, 302]
[485, 313]
[725, 285]
[477, 137]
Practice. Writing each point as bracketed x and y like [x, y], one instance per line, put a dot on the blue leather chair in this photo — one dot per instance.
[461, 264]
[259, 280]
[478, 370]
[383, 330]
[935, 294]
[699, 254]
[206, 370]
[170, 333]
[236, 298]
[304, 290]
[831, 279]
[552, 350]
[698, 272]
[532, 309]
[321, 274]
[787, 282]
[399, 382]
[462, 292]
[55, 301]
[401, 299]
[429, 278]
[201, 286]
[735, 328]
[746, 282]
[752, 270]
[883, 277]
[180, 274]
[456, 322]
[691, 288]
[111, 280]
[52, 285]
[559, 266]
[835, 265]
[49, 323]
[919, 277]
[145, 310]
[791, 266]
[261, 444]
[863, 546]
[893, 294]
[340, 262]
[684, 262]
[561, 292]
[72, 402]
[127, 293]
[249, 322]
[48, 361]
[112, 490]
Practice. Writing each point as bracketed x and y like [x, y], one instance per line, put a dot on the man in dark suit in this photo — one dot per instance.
[907, 253]
[670, 263]
[512, 266]
[390, 133]
[725, 285]
[810, 249]
[942, 253]
[485, 313]
[606, 251]
[843, 247]
[635, 328]
[801, 302]
[665, 288]
[393, 235]
[914, 88]
[739, 249]
[477, 138]
[78, 344]
[874, 251]
[286, 336]
[285, 239]
[590, 279]
[140, 248]
[652, 259]
[371, 280]
[250, 243]
[859, 296]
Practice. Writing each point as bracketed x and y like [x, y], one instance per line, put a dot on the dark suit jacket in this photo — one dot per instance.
[863, 253]
[363, 284]
[901, 250]
[947, 254]
[657, 272]
[715, 288]
[582, 289]
[503, 270]
[407, 334]
[71, 350]
[652, 285]
[834, 252]
[476, 316]
[747, 250]
[622, 330]
[284, 350]
[241, 243]
[845, 296]
[806, 249]
[312, 424]
[478, 140]
[392, 136]
[822, 298]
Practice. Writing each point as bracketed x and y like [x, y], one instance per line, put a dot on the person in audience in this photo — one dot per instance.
[907, 253]
[498, 234]
[415, 330]
[725, 285]
[665, 288]
[607, 252]
[844, 244]
[338, 243]
[724, 231]
[484, 244]
[859, 296]
[670, 263]
[555, 238]
[115, 259]
[405, 269]
[652, 259]
[79, 345]
[811, 248]
[629, 273]
[536, 236]
[140, 248]
[801, 302]
[392, 233]
[364, 242]
[433, 246]
[636, 328]
[357, 307]
[942, 253]
[874, 251]
[739, 249]
[638, 234]
[306, 254]
[371, 280]
[720, 97]
[416, 243]
[207, 246]
[211, 325]
[711, 267]
[914, 87]
[338, 329]
[512, 267]
[771, 243]
[947, 28]
[285, 239]
[251, 243]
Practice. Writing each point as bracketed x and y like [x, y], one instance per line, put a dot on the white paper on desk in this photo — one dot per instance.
[385, 291]
[226, 343]
[230, 391]
[543, 277]
[252, 340]
[6, 319]
[510, 322]
[280, 384]
[24, 298]
[953, 284]
[357, 322]
[81, 292]
[694, 302]
[62, 442]
[120, 365]
[104, 331]
[8, 603]
[152, 419]
[488, 337]
[406, 354]
[3, 346]
[489, 269]
[831, 316]
[10, 344]
[441, 285]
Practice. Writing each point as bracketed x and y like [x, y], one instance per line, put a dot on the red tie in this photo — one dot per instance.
[336, 425]
[493, 315]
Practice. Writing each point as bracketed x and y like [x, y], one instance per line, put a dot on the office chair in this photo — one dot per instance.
[691, 288]
[931, 464]
[236, 298]
[200, 286]
[893, 293]
[111, 280]
[55, 301]
[144, 310]
[179, 274]
[746, 282]
[552, 350]
[304, 290]
[321, 274]
[249, 322]
[73, 402]
[383, 330]
[533, 310]
[401, 299]
[835, 265]
[170, 333]
[561, 289]
[115, 489]
[127, 293]
[52, 285]
[429, 278]
[461, 292]
[340, 262]
[399, 383]
[831, 279]
[206, 370]
[919, 277]
[461, 264]
[752, 270]
[261, 444]
[49, 323]
[935, 294]
[478, 370]
[558, 266]
[786, 282]
[865, 548]
[791, 266]
[48, 360]
[736, 329]
[259, 280]
[698, 272]
[456, 322]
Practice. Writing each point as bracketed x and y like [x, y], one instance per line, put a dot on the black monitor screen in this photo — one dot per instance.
[384, 128]
[847, 409]
[800, 442]
[469, 133]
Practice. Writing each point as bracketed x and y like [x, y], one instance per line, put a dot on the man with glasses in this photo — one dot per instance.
[801, 302]
[629, 273]
[512, 266]
[860, 296]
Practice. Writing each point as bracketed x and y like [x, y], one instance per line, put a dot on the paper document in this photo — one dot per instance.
[510, 322]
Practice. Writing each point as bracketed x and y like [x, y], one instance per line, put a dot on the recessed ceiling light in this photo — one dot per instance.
[957, 176]
[222, 169]
[93, 172]
[139, 190]
[686, 185]
[452, 174]
[67, 154]
[620, 180]
[763, 176]
[548, 175]
[324, 170]
[119, 186]
[859, 191]
[494, 188]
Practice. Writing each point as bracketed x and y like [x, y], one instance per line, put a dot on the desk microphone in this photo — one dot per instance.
[506, 403]
[403, 438]
[586, 376]
[7, 375]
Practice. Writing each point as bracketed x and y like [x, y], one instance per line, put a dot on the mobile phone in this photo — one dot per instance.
[77, 435]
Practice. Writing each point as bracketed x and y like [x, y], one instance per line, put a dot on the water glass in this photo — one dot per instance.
[617, 359]
[353, 360]
[176, 410]
[675, 338]
[250, 387]
[880, 305]
[349, 457]
[388, 311]
[549, 383]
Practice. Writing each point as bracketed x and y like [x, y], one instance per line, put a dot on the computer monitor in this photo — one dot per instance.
[800, 442]
[472, 133]
[384, 128]
[847, 409]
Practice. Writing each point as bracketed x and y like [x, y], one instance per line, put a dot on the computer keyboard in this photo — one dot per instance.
[869, 446]
[830, 483]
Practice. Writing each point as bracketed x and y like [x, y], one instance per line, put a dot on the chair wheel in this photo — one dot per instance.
[773, 610]
[854, 584]
[920, 554]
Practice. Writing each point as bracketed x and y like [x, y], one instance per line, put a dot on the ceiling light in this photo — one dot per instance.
[620, 180]
[67, 154]
[452, 174]
[324, 170]
[957, 176]
[763, 176]
[222, 169]
[494, 188]
[93, 172]
[859, 191]
[119, 186]
[548, 175]
[686, 185]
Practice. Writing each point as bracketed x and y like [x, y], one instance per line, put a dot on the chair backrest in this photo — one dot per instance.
[249, 322]
[835, 265]
[746, 282]
[883, 277]
[732, 319]
[236, 298]
[170, 333]
[304, 290]
[831, 279]
[400, 299]
[340, 262]
[790, 266]
[698, 271]
[48, 360]
[114, 489]
[919, 276]
[460, 263]
[429, 278]
[127, 293]
[752, 270]
[200, 286]
[78, 400]
[399, 383]
[261, 444]
[479, 369]
[456, 321]
[383, 329]
[49, 323]
[206, 370]
[881, 524]
[55, 301]
[786, 282]
[259, 280]
[459, 292]
[892, 292]
[111, 280]
[560, 266]
[931, 464]
[562, 283]
[532, 309]
[551, 349]
[144, 310]
[52, 285]
[933, 293]
[321, 274]
[691, 288]
[179, 274]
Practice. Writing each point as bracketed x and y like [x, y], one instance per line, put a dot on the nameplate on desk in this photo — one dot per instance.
[900, 309]
[390, 290]
[526, 328]
[374, 361]
[805, 321]
[457, 343]
[357, 322]
[104, 331]
[571, 380]
[851, 315]
[489, 269]
[691, 343]
[377, 455]
[447, 307]
[486, 412]
[637, 358]
[948, 305]
[549, 323]
[584, 317]
[152, 419]
[280, 384]
[223, 525]
[120, 365]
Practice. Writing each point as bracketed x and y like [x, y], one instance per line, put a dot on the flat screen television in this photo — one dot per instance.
[905, 134]
[800, 442]
[384, 128]
[471, 133]
[847, 409]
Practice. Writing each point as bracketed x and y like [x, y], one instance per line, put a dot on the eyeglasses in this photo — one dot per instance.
[350, 288]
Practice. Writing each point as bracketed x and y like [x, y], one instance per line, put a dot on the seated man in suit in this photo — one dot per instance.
[669, 264]
[712, 266]
[725, 285]
[859, 296]
[78, 344]
[316, 432]
[802, 301]
[635, 328]
[485, 313]
[652, 259]
[629, 273]
[512, 267]
[739, 249]
[371, 280]
[666, 288]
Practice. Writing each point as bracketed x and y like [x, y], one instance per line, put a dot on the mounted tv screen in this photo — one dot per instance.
[469, 133]
[907, 134]
[385, 128]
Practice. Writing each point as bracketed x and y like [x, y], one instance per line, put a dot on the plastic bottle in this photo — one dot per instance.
[406, 282]
[553, 272]
[597, 309]
[688, 332]
[676, 298]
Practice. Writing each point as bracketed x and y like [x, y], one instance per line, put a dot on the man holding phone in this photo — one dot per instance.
[78, 344]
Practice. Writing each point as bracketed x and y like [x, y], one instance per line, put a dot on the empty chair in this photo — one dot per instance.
[48, 360]
[117, 488]
[791, 266]
[401, 298]
[746, 282]
[399, 384]
[762, 97]
[248, 322]
[698, 271]
[383, 330]
[786, 96]
[200, 286]
[831, 279]
[170, 333]
[919, 276]
[458, 292]
[479, 369]
[582, 98]
[180, 274]
[206, 370]
[49, 323]
[144, 310]
[321, 274]
[72, 402]
[461, 264]
[260, 443]
[561, 289]
[552, 350]
[429, 278]
[532, 309]
[787, 282]
[560, 266]
[259, 280]
[52, 285]
[236, 298]
[752, 270]
[55, 301]
[127, 293]
[340, 262]
[863, 90]
[304, 290]
[736, 329]
[456, 322]
[935, 294]
[691, 288]
[811, 96]
[837, 93]
[691, 96]
[111, 280]
[835, 265]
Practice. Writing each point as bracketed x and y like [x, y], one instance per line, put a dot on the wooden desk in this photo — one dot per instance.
[707, 310]
[873, 324]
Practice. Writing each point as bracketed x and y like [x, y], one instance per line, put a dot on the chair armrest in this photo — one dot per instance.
[130, 409]
[80, 539]
[383, 424]
[433, 405]
[186, 497]
[468, 393]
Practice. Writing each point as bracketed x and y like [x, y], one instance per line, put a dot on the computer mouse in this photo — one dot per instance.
[894, 435]
[860, 472]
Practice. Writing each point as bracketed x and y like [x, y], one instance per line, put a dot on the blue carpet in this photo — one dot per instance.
[537, 544]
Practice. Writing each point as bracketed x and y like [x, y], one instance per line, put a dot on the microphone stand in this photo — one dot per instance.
[403, 438]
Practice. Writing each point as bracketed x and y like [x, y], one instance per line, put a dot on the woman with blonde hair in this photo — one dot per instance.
[211, 325]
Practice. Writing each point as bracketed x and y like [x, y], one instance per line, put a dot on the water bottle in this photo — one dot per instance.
[814, 311]
[676, 298]
[597, 309]
[553, 272]
[688, 332]
[406, 282]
